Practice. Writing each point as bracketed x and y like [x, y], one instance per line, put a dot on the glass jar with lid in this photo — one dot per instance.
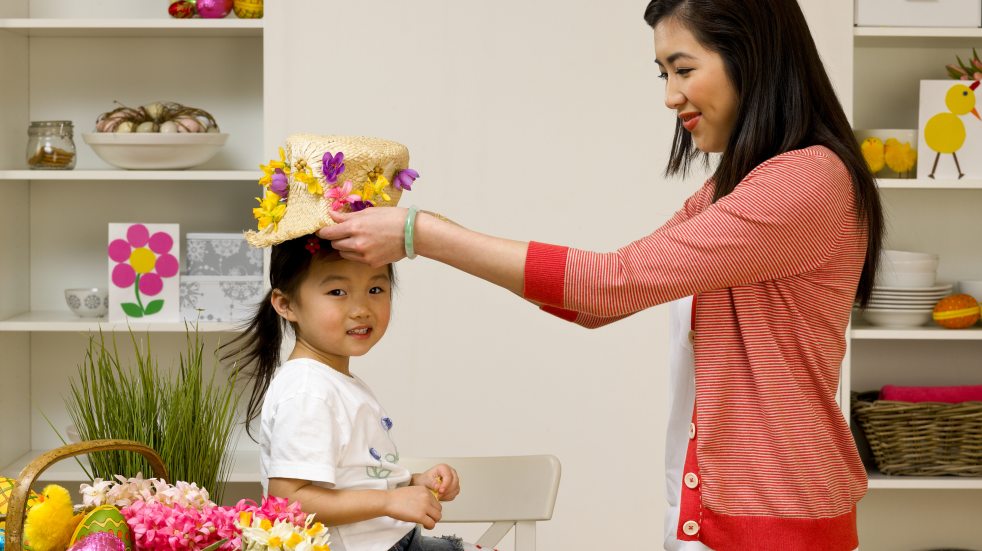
[50, 145]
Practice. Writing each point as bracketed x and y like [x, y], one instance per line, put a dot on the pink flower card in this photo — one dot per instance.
[144, 260]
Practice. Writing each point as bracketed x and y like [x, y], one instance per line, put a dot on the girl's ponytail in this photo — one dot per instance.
[257, 355]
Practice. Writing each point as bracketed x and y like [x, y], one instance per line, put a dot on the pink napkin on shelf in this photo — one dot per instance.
[948, 394]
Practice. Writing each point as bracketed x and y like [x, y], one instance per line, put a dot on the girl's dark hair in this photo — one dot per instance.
[786, 100]
[256, 352]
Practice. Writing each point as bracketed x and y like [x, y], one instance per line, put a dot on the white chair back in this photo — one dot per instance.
[510, 491]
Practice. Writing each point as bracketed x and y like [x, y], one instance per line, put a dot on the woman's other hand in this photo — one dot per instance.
[373, 236]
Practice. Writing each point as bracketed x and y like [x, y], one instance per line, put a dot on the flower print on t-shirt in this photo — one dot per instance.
[380, 471]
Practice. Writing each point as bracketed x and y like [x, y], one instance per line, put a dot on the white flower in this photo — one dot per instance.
[95, 495]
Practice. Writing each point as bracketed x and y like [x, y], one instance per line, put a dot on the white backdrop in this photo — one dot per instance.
[530, 120]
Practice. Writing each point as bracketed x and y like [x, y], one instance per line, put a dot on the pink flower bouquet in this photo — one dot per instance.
[181, 517]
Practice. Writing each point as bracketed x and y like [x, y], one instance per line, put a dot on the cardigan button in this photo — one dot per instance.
[691, 480]
[690, 528]
[692, 431]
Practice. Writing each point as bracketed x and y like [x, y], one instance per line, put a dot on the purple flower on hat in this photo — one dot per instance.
[386, 423]
[278, 183]
[405, 178]
[374, 453]
[333, 165]
[360, 205]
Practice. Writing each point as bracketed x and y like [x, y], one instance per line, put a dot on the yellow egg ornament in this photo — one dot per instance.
[6, 489]
[248, 9]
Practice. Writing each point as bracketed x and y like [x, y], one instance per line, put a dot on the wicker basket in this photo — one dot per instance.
[923, 438]
[18, 499]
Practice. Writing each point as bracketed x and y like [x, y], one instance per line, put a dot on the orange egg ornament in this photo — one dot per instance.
[956, 311]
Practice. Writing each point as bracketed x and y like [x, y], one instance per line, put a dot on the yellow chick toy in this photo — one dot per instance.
[51, 522]
[899, 156]
[872, 149]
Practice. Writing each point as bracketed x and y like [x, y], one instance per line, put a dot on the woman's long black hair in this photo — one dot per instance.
[256, 352]
[786, 100]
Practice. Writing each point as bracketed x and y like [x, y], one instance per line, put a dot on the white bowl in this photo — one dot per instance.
[88, 303]
[890, 278]
[906, 255]
[897, 318]
[153, 150]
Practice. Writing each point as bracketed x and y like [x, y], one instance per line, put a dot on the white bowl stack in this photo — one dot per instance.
[905, 289]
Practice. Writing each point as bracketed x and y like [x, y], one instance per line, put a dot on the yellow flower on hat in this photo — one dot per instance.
[271, 167]
[269, 211]
[302, 172]
[371, 189]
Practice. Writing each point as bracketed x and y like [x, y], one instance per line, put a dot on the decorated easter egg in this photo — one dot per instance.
[956, 311]
[248, 9]
[6, 489]
[105, 518]
[214, 9]
[181, 9]
[100, 541]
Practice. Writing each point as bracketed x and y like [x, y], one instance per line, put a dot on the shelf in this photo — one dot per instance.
[880, 481]
[133, 28]
[69, 322]
[919, 32]
[245, 468]
[927, 183]
[160, 175]
[865, 331]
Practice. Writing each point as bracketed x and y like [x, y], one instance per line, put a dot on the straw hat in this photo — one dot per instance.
[318, 174]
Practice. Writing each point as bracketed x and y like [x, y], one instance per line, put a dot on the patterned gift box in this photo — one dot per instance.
[222, 254]
[220, 298]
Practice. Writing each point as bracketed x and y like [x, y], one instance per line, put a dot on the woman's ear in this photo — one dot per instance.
[282, 304]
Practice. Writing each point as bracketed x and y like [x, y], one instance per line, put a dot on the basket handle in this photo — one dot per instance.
[30, 473]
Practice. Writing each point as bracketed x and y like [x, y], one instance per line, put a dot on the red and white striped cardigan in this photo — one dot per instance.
[775, 265]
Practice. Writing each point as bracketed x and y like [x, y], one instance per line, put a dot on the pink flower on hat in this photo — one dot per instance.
[341, 195]
[143, 260]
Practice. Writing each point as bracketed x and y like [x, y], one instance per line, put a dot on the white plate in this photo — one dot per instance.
[900, 306]
[935, 289]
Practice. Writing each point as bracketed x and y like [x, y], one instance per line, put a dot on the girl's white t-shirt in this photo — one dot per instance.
[681, 399]
[320, 425]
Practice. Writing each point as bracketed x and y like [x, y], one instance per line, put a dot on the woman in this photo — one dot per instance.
[774, 249]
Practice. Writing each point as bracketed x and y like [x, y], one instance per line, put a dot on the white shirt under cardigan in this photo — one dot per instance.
[681, 399]
[323, 426]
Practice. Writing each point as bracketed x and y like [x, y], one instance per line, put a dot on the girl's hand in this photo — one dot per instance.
[374, 236]
[442, 479]
[414, 504]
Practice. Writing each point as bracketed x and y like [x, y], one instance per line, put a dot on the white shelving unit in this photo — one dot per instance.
[924, 215]
[65, 60]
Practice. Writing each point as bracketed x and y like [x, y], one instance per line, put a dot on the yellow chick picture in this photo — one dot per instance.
[899, 157]
[50, 523]
[944, 133]
[872, 149]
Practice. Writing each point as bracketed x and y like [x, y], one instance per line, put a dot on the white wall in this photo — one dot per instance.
[531, 120]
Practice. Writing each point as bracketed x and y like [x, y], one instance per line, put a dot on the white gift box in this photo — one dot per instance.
[919, 13]
[220, 298]
[222, 254]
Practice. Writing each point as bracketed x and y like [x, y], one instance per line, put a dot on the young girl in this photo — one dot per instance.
[325, 440]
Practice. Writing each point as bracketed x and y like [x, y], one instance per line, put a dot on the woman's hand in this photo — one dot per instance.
[414, 504]
[373, 236]
[442, 479]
